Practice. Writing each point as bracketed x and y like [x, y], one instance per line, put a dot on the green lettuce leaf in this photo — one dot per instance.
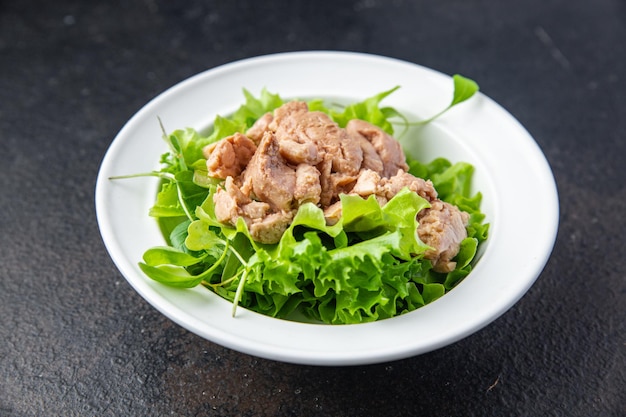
[370, 111]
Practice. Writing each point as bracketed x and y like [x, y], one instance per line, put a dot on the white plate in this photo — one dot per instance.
[520, 200]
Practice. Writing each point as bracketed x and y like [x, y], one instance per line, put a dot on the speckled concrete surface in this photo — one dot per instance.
[75, 339]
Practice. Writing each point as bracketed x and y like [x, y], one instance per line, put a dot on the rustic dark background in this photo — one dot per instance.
[75, 339]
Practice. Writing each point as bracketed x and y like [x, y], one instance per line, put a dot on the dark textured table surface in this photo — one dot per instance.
[75, 339]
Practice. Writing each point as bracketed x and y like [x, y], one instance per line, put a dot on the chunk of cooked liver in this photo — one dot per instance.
[308, 188]
[268, 176]
[229, 201]
[442, 227]
[314, 138]
[371, 159]
[388, 148]
[229, 156]
[392, 185]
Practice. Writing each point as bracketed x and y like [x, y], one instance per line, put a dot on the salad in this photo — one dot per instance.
[339, 257]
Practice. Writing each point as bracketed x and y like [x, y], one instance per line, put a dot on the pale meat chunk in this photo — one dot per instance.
[327, 194]
[256, 131]
[228, 202]
[333, 183]
[269, 177]
[255, 210]
[371, 158]
[264, 226]
[332, 213]
[308, 188]
[341, 183]
[286, 116]
[270, 228]
[367, 183]
[229, 156]
[388, 148]
[313, 138]
[294, 122]
[295, 152]
[370, 182]
[442, 227]
[392, 186]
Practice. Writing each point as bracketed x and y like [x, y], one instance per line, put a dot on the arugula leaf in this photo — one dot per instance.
[178, 195]
[464, 89]
[171, 275]
[160, 255]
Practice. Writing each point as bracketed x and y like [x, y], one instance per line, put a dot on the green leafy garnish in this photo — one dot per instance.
[464, 89]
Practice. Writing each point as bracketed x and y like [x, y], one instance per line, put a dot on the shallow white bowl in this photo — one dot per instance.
[520, 201]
